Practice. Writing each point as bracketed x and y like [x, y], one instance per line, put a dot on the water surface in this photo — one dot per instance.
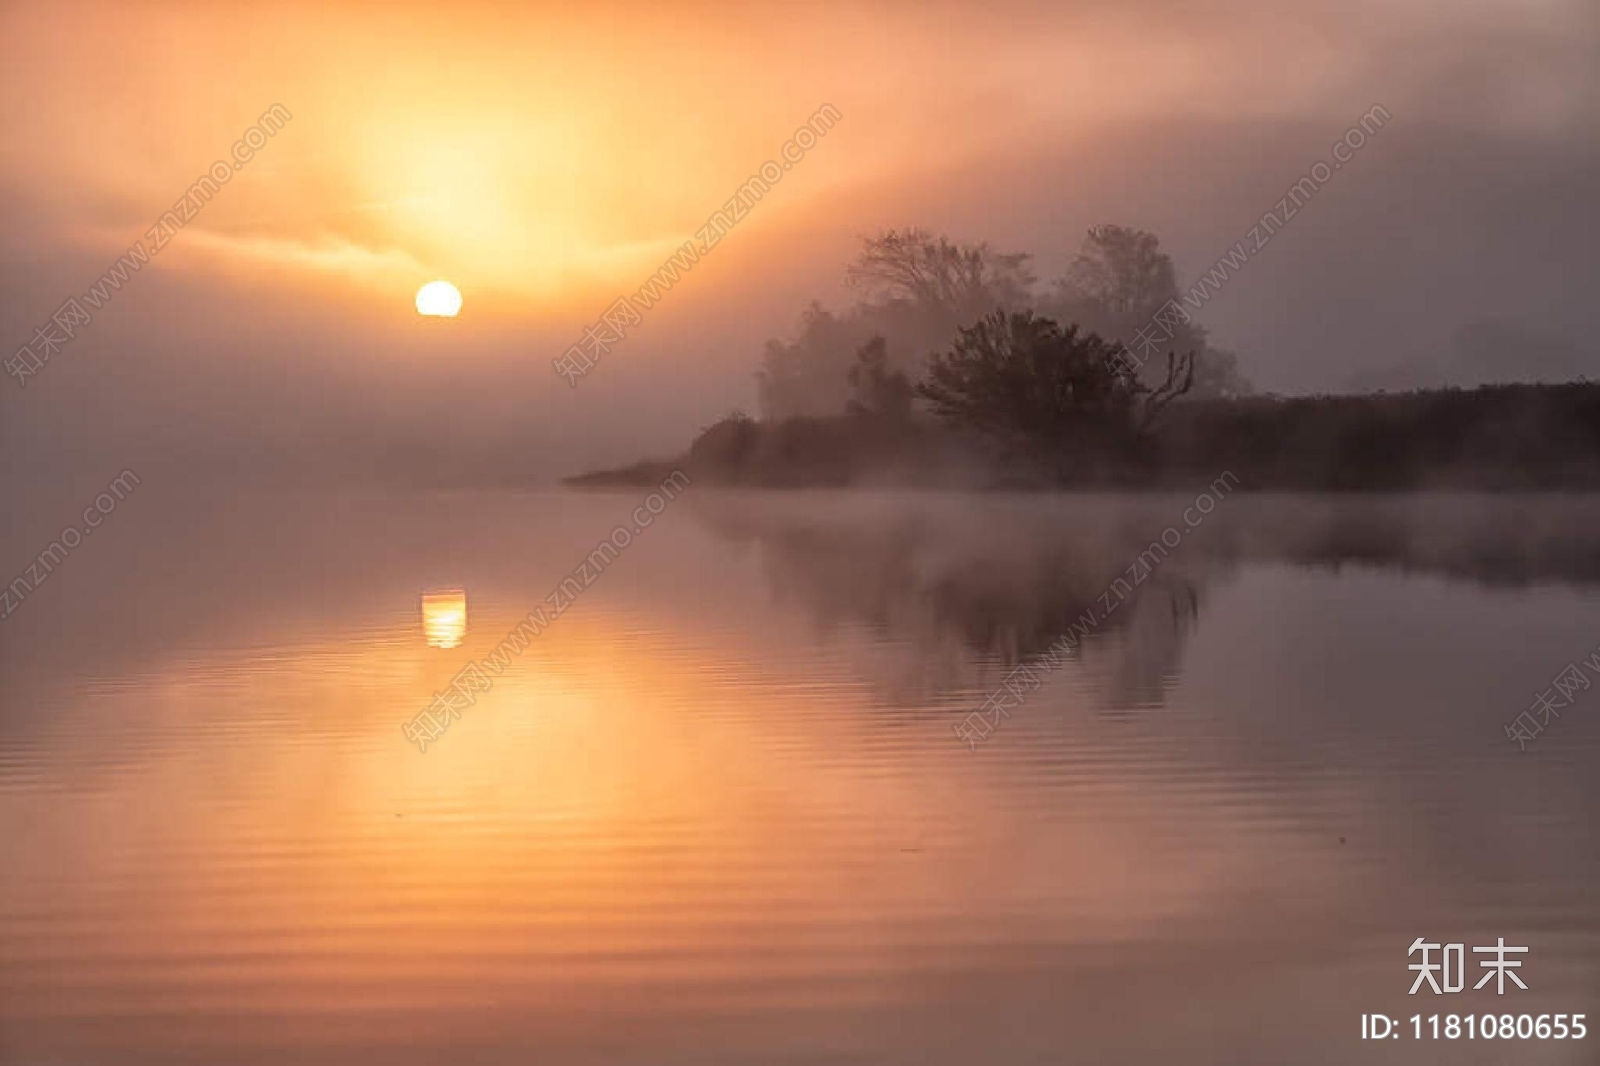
[719, 810]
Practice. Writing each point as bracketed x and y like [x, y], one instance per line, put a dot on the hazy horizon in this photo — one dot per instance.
[1047, 586]
[547, 163]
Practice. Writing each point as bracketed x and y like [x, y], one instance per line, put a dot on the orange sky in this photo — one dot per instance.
[547, 158]
[534, 155]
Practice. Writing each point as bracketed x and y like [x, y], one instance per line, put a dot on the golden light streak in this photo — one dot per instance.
[444, 617]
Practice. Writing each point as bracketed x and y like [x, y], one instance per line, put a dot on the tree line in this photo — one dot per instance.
[967, 333]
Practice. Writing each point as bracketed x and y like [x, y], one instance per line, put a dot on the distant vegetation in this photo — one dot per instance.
[954, 371]
[1500, 437]
[917, 290]
[1041, 391]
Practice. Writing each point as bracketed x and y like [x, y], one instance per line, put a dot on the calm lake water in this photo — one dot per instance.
[719, 810]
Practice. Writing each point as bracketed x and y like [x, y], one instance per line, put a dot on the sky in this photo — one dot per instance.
[547, 158]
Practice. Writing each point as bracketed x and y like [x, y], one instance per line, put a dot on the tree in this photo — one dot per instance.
[1029, 383]
[808, 376]
[877, 391]
[956, 281]
[1122, 270]
[916, 289]
[726, 445]
[1115, 286]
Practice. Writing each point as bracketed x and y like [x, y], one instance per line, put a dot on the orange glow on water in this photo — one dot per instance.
[444, 617]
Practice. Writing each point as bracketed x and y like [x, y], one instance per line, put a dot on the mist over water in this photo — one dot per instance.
[1091, 550]
[719, 810]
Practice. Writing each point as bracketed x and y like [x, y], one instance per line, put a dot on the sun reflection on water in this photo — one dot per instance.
[444, 617]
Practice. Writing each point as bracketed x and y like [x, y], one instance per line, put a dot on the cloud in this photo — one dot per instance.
[548, 160]
[327, 256]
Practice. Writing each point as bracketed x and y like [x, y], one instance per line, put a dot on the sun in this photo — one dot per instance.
[439, 298]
